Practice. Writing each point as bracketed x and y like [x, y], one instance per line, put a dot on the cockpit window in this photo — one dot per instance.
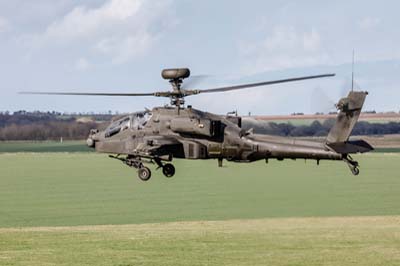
[118, 126]
[136, 121]
[139, 120]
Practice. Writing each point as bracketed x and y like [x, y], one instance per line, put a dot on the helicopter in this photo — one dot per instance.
[159, 135]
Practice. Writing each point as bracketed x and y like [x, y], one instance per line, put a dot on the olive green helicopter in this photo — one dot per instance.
[159, 135]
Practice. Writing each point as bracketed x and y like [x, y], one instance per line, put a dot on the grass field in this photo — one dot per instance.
[108, 215]
[87, 189]
[293, 241]
[44, 146]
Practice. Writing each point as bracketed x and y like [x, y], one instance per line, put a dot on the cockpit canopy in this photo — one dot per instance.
[135, 121]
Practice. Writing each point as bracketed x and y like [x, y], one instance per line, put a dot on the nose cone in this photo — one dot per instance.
[93, 137]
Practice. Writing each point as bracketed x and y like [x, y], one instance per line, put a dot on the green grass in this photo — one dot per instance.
[45, 189]
[387, 150]
[43, 146]
[112, 218]
[301, 241]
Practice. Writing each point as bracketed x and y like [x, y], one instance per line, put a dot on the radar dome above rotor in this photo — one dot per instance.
[175, 73]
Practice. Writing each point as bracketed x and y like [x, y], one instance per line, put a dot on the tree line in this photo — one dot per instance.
[54, 126]
[40, 126]
[317, 129]
[47, 131]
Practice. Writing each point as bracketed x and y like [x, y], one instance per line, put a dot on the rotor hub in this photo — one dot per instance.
[175, 77]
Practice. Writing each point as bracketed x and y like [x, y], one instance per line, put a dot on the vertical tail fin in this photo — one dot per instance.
[350, 109]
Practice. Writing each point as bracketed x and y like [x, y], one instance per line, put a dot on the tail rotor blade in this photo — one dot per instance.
[321, 102]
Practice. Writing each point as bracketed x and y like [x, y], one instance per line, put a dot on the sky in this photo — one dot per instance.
[122, 46]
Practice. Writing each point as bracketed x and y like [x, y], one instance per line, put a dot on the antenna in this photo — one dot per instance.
[352, 73]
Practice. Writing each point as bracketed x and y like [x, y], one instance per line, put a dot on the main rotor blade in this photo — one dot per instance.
[250, 85]
[193, 81]
[89, 94]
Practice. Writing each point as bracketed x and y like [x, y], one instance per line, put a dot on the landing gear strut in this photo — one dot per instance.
[144, 173]
[353, 165]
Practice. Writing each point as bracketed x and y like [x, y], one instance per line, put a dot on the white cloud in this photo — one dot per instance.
[118, 29]
[84, 22]
[82, 64]
[284, 47]
[122, 49]
[368, 23]
[4, 25]
[302, 35]
[311, 41]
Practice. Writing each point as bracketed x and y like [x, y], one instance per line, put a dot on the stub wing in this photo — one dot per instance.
[159, 146]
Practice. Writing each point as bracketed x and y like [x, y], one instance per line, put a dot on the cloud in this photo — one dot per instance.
[302, 35]
[118, 29]
[284, 47]
[83, 22]
[123, 49]
[4, 25]
[82, 64]
[369, 23]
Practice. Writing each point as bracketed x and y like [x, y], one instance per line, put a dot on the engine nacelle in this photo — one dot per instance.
[203, 127]
[237, 120]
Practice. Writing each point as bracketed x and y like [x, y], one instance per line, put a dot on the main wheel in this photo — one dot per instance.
[144, 173]
[168, 170]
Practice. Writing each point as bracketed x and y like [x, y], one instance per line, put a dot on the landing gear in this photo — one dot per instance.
[354, 170]
[168, 170]
[353, 165]
[144, 173]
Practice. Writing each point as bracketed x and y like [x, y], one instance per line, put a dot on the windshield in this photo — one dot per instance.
[139, 120]
[135, 121]
[118, 126]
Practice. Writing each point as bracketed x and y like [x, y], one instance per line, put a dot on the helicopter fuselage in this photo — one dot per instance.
[177, 132]
[189, 133]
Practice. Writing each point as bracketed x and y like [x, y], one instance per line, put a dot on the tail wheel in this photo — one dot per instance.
[353, 165]
[168, 170]
[355, 170]
[144, 173]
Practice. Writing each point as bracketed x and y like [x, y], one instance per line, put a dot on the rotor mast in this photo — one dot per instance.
[175, 77]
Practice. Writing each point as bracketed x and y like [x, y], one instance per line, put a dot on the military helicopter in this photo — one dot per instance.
[177, 131]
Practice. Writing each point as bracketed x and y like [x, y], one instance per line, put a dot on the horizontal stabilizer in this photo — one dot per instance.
[353, 146]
